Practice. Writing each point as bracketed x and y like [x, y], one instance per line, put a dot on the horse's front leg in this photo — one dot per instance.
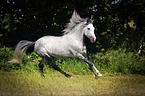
[89, 64]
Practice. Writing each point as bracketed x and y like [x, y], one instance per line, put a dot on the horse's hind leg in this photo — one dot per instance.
[41, 66]
[54, 66]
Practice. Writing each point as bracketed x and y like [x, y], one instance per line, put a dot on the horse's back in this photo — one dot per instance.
[54, 46]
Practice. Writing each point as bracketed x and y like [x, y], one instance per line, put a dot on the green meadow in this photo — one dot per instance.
[23, 83]
[123, 75]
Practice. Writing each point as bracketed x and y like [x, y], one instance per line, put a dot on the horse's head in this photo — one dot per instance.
[85, 24]
[89, 30]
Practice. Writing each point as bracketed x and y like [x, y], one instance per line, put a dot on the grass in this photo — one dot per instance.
[111, 62]
[24, 79]
[23, 83]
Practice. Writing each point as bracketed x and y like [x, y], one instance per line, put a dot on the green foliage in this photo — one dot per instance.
[111, 62]
[116, 21]
[5, 54]
[119, 61]
[73, 66]
[34, 57]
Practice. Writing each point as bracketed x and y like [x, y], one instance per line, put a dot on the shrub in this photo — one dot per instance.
[112, 62]
[5, 54]
[118, 61]
[34, 57]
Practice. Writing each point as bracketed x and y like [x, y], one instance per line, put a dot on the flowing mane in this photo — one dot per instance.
[74, 21]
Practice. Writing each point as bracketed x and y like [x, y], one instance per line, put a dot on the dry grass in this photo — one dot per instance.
[22, 83]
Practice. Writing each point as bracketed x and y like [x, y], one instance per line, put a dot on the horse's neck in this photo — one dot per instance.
[77, 35]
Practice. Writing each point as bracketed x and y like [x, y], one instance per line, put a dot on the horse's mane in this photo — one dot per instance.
[74, 21]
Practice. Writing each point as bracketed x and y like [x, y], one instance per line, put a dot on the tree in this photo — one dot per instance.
[117, 22]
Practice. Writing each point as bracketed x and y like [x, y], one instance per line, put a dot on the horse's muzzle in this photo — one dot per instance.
[92, 39]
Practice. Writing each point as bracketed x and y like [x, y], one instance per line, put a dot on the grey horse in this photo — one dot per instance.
[71, 44]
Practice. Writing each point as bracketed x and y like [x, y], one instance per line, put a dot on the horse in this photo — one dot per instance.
[69, 45]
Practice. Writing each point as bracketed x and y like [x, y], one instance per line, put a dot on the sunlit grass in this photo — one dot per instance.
[24, 79]
[20, 82]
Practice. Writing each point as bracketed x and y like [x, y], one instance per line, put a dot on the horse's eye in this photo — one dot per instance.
[88, 28]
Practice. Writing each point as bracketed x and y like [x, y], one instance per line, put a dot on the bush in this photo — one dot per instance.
[119, 61]
[34, 57]
[111, 62]
[5, 54]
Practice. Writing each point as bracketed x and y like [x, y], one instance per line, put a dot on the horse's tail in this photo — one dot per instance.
[21, 47]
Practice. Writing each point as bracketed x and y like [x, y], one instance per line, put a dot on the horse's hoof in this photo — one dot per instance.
[100, 75]
[71, 77]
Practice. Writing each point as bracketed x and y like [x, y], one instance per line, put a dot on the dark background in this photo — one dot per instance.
[118, 23]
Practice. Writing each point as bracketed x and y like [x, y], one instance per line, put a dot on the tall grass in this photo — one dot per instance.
[118, 62]
[111, 62]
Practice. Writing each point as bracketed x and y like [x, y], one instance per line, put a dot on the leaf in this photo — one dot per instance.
[6, 27]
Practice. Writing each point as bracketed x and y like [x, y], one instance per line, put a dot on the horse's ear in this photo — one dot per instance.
[89, 21]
